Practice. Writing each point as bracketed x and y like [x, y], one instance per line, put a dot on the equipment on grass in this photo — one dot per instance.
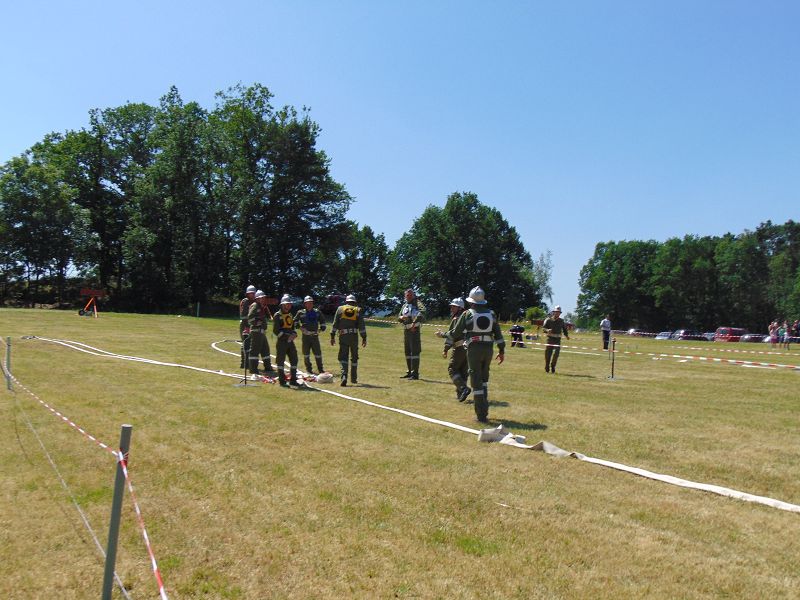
[90, 310]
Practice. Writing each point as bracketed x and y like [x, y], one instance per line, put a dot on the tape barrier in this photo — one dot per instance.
[77, 506]
[153, 563]
[512, 440]
[118, 455]
[61, 416]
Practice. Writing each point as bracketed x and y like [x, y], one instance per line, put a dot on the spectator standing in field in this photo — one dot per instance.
[517, 331]
[773, 334]
[605, 329]
[553, 327]
[349, 324]
[412, 314]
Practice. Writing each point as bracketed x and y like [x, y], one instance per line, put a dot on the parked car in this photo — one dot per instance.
[688, 334]
[709, 335]
[664, 335]
[729, 334]
[636, 332]
[754, 337]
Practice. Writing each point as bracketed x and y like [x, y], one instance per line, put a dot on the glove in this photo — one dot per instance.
[322, 327]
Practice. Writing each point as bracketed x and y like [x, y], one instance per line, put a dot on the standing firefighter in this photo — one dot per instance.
[554, 327]
[480, 330]
[257, 320]
[349, 323]
[283, 328]
[412, 314]
[244, 327]
[311, 323]
[457, 367]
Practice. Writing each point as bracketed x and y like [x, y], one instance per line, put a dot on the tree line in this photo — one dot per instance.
[166, 206]
[743, 280]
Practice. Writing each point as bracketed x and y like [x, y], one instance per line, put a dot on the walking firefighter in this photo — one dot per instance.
[349, 324]
[480, 330]
[244, 327]
[283, 328]
[257, 318]
[554, 327]
[457, 366]
[412, 314]
[310, 322]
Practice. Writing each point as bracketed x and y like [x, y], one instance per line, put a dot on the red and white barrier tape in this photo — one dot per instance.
[62, 417]
[115, 453]
[153, 564]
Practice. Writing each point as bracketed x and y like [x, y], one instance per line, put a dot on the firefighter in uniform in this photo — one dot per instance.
[349, 323]
[257, 321]
[310, 322]
[553, 327]
[412, 314]
[244, 327]
[457, 366]
[283, 328]
[479, 327]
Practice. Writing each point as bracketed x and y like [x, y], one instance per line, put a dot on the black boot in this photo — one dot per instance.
[282, 378]
[293, 377]
[354, 373]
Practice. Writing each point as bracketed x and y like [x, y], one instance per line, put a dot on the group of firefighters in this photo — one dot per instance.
[470, 338]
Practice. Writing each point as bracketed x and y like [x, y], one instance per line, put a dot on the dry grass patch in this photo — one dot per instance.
[271, 493]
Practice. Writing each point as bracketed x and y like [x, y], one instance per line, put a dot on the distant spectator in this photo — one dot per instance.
[517, 332]
[605, 328]
[773, 334]
[786, 335]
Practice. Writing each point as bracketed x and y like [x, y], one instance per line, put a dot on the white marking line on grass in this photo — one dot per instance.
[542, 446]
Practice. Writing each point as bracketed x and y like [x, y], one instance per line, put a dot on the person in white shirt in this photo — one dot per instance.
[605, 328]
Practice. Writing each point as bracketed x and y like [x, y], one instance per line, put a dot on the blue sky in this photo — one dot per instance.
[580, 121]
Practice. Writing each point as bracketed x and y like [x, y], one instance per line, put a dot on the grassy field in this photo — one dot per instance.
[275, 493]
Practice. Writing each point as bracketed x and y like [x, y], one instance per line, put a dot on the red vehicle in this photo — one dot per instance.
[332, 302]
[729, 334]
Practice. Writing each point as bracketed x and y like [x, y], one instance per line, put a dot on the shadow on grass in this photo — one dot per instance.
[368, 385]
[560, 374]
[493, 403]
[533, 426]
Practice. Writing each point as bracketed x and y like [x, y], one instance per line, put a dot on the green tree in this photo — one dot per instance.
[617, 281]
[449, 250]
[39, 220]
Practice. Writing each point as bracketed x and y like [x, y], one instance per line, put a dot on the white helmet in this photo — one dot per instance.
[477, 296]
[350, 298]
[251, 289]
[260, 294]
[459, 302]
[286, 299]
[557, 308]
[308, 299]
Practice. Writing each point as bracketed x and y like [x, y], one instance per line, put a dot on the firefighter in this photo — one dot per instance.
[412, 314]
[244, 327]
[283, 328]
[311, 322]
[480, 330]
[457, 366]
[349, 324]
